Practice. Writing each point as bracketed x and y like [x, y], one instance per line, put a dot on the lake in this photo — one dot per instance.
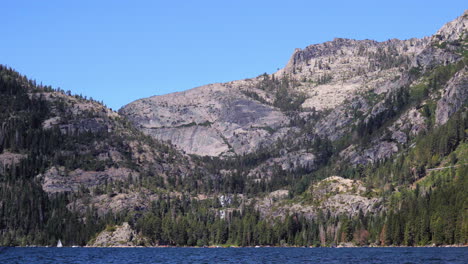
[233, 255]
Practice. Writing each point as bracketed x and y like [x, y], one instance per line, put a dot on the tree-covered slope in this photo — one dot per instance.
[57, 149]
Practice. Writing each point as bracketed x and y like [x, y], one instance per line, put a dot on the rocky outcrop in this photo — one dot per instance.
[287, 162]
[334, 195]
[336, 71]
[454, 95]
[58, 179]
[196, 139]
[454, 30]
[118, 236]
[265, 204]
[410, 123]
[135, 201]
[379, 151]
[343, 196]
[444, 44]
[334, 125]
[91, 125]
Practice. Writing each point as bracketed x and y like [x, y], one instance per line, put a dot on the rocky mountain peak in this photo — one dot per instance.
[453, 30]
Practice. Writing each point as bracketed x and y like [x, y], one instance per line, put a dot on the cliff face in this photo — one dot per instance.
[454, 95]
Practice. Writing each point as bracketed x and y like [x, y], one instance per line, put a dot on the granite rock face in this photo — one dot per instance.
[377, 152]
[289, 162]
[454, 96]
[115, 202]
[212, 120]
[339, 195]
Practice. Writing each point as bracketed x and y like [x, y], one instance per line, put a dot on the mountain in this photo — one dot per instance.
[239, 117]
[353, 141]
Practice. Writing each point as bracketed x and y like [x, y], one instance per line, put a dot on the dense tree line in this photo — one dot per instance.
[416, 217]
[196, 223]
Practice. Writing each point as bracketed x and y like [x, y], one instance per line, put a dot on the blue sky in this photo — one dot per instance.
[119, 51]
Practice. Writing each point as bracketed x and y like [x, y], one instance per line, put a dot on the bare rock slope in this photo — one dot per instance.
[210, 120]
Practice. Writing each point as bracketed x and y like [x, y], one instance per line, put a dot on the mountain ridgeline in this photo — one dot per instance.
[353, 142]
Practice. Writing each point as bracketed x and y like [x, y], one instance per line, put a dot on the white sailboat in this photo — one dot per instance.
[59, 243]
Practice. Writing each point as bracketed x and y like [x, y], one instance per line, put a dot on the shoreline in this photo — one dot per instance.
[225, 247]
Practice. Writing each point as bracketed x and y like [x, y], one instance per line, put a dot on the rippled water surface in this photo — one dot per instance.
[233, 255]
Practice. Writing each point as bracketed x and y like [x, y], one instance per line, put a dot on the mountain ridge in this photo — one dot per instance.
[320, 77]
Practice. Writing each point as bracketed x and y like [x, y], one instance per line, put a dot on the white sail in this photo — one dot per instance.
[59, 244]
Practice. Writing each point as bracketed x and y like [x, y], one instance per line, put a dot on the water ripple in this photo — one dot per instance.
[232, 255]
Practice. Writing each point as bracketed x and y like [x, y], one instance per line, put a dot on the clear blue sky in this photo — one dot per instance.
[119, 51]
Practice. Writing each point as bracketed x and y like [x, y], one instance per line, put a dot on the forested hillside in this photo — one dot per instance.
[56, 149]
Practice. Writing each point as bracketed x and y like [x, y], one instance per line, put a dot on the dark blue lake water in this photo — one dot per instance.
[233, 255]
